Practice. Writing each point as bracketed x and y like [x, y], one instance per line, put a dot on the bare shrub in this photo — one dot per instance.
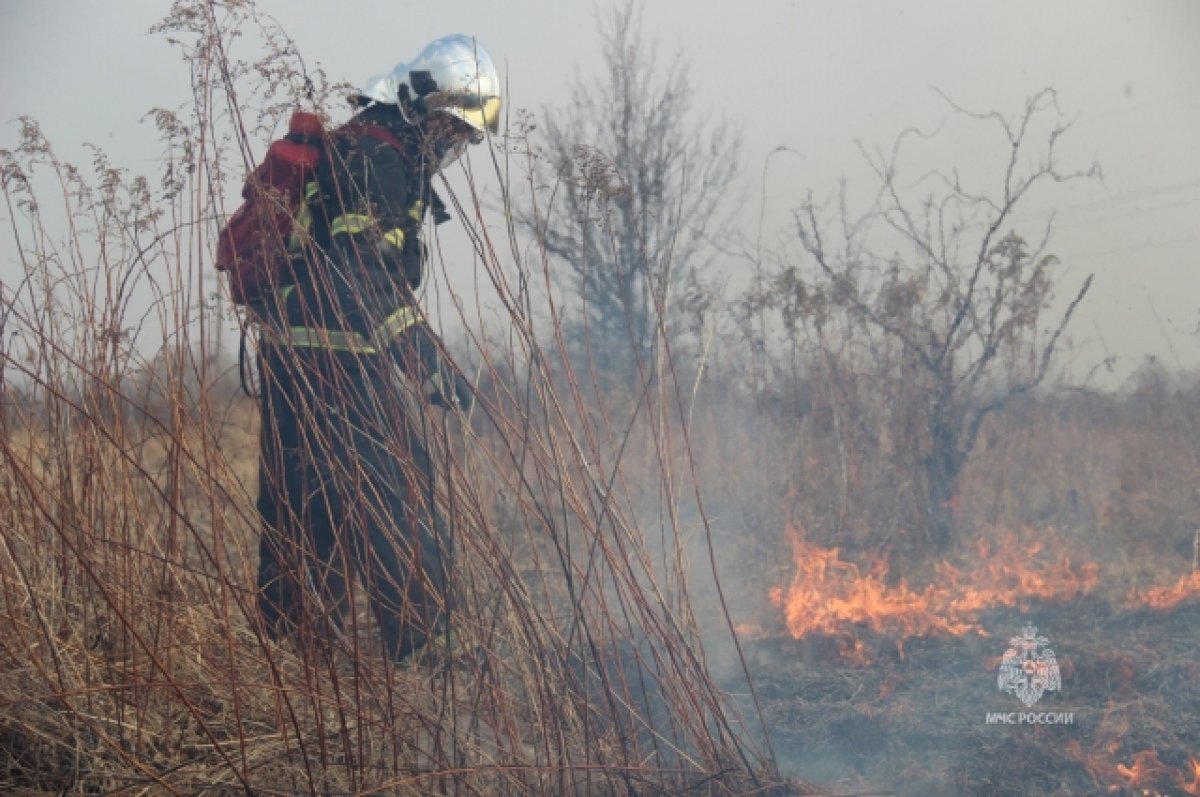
[635, 196]
[913, 321]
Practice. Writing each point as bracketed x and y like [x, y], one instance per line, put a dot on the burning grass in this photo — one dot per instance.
[874, 683]
[878, 672]
[1187, 588]
[831, 596]
[926, 718]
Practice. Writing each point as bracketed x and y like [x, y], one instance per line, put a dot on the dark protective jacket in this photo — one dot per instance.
[346, 485]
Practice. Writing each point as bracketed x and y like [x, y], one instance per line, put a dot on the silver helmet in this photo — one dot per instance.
[452, 75]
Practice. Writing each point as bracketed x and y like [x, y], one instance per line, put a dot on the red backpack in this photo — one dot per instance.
[253, 248]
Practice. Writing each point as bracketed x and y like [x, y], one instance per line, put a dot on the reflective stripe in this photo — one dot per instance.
[349, 341]
[350, 223]
[395, 324]
[395, 237]
[332, 339]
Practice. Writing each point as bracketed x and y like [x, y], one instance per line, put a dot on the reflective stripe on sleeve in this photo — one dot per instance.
[395, 237]
[350, 223]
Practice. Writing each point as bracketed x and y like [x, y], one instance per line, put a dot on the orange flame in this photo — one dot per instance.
[1146, 770]
[1186, 587]
[1193, 787]
[829, 595]
[1100, 769]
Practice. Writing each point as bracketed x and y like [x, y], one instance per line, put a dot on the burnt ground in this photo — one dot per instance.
[913, 719]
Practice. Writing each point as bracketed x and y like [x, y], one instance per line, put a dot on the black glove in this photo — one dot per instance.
[445, 388]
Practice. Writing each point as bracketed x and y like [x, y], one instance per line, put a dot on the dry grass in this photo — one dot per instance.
[131, 657]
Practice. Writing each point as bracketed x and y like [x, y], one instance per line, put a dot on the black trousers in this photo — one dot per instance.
[346, 500]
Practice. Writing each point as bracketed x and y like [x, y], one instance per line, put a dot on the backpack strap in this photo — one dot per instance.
[381, 133]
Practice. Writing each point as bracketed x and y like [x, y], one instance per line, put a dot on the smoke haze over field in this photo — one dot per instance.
[813, 77]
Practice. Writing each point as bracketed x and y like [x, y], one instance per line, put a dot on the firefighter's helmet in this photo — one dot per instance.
[453, 75]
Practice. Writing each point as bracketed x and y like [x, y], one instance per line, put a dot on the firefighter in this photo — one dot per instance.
[345, 479]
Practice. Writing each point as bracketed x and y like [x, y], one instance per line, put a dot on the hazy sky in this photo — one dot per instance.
[814, 76]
